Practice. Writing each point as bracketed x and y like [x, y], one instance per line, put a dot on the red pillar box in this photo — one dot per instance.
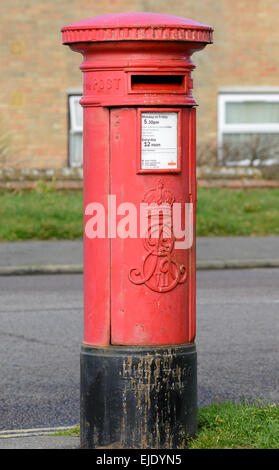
[138, 358]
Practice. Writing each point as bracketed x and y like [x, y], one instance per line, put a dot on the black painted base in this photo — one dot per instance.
[138, 397]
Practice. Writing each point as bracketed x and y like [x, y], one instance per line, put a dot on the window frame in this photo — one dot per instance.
[73, 98]
[74, 128]
[243, 128]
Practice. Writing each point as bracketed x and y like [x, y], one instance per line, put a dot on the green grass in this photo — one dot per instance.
[46, 215]
[222, 212]
[237, 426]
[30, 215]
[229, 425]
[75, 431]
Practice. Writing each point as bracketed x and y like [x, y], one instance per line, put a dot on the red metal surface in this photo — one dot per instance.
[160, 310]
[137, 27]
[136, 294]
[108, 70]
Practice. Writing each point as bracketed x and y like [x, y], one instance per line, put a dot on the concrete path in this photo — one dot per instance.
[53, 252]
[237, 252]
[39, 257]
[39, 442]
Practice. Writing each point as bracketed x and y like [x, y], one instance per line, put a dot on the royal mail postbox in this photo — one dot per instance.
[138, 358]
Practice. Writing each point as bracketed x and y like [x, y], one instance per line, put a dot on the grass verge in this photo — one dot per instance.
[222, 212]
[231, 426]
[237, 426]
[31, 215]
[75, 432]
[57, 215]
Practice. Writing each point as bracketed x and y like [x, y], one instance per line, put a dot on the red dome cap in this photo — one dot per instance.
[137, 26]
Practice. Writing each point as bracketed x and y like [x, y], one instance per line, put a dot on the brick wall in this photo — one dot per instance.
[37, 70]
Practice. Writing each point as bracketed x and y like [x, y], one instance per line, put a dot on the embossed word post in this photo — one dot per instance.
[138, 357]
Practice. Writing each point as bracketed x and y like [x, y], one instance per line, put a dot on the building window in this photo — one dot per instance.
[75, 131]
[248, 128]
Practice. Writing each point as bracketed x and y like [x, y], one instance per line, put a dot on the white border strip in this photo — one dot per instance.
[5, 434]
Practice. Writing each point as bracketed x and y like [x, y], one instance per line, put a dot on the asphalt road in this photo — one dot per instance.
[41, 332]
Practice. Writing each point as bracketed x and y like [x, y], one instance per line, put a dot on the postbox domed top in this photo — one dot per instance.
[137, 27]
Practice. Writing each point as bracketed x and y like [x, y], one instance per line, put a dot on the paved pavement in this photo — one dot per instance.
[53, 252]
[40, 442]
[67, 256]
